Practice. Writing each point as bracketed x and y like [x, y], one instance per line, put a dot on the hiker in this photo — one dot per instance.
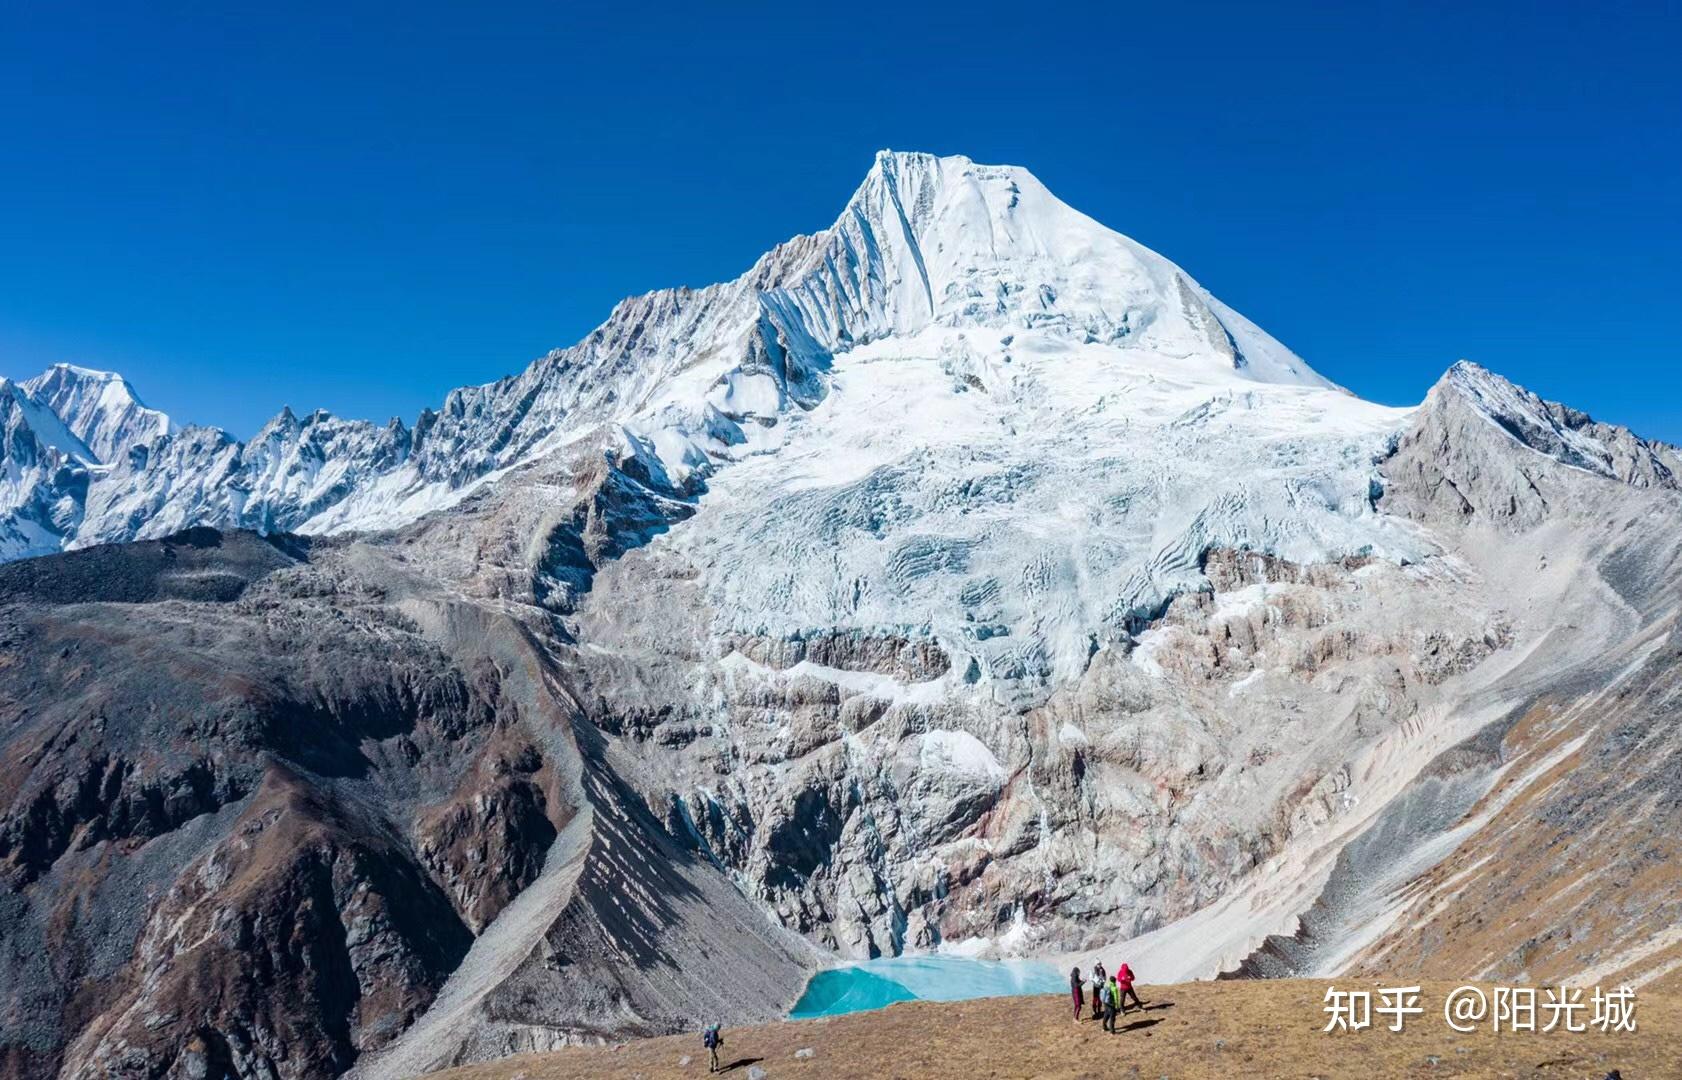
[1078, 989]
[1124, 984]
[1097, 991]
[1111, 996]
[712, 1039]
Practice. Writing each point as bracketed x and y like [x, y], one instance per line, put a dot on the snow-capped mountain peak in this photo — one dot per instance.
[44, 481]
[1558, 431]
[937, 253]
[45, 425]
[943, 240]
[100, 407]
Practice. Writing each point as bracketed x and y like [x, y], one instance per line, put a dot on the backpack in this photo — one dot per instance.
[709, 1037]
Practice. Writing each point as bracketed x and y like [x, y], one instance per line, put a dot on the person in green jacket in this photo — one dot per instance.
[1112, 998]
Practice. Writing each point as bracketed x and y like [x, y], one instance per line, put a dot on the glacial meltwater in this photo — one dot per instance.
[871, 984]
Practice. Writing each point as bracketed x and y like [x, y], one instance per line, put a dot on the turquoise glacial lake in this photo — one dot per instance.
[871, 984]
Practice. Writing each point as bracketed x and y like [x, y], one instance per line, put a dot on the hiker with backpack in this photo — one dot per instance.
[1078, 989]
[1111, 997]
[712, 1039]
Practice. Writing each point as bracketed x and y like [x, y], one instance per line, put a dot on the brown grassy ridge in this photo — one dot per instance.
[1240, 1029]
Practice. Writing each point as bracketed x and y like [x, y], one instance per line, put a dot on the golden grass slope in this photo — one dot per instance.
[1240, 1029]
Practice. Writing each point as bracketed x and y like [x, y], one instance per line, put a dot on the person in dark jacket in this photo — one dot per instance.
[1078, 990]
[712, 1038]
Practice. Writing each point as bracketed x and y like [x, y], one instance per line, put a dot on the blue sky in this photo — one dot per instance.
[361, 207]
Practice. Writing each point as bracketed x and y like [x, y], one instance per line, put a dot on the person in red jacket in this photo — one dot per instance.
[1124, 983]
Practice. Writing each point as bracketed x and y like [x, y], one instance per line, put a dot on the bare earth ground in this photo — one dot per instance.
[1247, 1029]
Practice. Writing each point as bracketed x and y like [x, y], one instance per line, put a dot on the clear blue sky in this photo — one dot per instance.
[362, 207]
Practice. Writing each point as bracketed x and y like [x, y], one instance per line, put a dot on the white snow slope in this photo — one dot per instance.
[1026, 499]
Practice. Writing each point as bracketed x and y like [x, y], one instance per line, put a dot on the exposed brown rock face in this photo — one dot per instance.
[252, 832]
[253, 829]
[298, 941]
[902, 658]
[487, 842]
